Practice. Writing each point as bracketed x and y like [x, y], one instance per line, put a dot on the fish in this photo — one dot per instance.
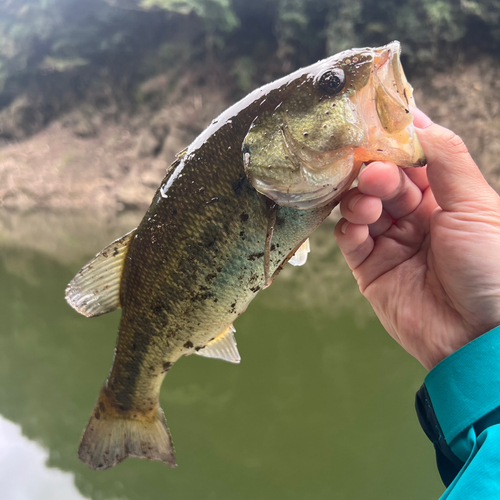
[233, 208]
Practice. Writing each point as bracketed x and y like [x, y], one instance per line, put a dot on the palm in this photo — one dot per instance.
[428, 311]
[433, 276]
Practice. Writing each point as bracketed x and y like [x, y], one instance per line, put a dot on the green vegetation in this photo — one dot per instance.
[217, 15]
[47, 44]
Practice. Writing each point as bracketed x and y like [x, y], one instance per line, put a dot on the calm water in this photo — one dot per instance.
[321, 406]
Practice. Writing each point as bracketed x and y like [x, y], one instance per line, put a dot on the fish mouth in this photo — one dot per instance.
[387, 66]
[386, 52]
[391, 133]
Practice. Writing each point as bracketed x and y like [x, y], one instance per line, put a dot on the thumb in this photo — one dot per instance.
[454, 177]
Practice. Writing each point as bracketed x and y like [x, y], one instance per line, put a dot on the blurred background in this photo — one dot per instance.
[96, 97]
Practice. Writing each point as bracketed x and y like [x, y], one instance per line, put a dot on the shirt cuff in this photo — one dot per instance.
[465, 386]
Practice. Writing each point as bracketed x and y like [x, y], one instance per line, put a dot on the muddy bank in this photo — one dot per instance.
[83, 162]
[87, 161]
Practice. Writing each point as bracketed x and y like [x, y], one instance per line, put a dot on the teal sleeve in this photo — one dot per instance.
[459, 409]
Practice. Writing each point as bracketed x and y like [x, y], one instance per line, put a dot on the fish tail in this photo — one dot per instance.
[111, 436]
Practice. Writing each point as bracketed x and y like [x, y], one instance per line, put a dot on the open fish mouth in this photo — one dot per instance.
[385, 106]
[393, 94]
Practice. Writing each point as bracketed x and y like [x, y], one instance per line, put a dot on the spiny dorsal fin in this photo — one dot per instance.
[300, 256]
[182, 153]
[95, 289]
[222, 347]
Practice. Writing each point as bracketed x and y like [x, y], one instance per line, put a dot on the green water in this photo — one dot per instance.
[321, 406]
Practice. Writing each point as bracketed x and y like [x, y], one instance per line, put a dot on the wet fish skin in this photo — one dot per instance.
[198, 257]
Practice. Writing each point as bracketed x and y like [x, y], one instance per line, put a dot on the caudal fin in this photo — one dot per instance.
[109, 439]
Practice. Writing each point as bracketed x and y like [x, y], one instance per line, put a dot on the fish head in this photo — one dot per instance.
[326, 121]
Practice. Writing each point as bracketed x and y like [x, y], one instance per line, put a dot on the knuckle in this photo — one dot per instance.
[453, 143]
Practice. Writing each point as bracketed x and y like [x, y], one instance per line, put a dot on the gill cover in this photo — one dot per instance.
[345, 110]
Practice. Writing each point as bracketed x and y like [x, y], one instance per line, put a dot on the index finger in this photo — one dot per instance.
[399, 195]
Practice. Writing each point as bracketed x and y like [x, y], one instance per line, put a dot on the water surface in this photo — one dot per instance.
[321, 406]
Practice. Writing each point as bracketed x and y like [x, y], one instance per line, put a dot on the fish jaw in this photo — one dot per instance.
[384, 104]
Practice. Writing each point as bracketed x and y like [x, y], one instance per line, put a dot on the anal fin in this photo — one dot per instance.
[95, 289]
[222, 347]
[300, 256]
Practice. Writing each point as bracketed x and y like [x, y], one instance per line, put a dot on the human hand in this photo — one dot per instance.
[424, 246]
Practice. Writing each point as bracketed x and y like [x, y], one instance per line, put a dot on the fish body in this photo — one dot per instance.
[232, 209]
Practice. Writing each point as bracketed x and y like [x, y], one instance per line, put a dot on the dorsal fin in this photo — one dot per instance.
[300, 256]
[222, 347]
[95, 289]
[182, 153]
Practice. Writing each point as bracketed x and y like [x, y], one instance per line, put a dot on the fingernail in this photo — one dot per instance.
[353, 201]
[344, 226]
[420, 119]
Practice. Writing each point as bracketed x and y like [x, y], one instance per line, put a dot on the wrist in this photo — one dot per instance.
[440, 348]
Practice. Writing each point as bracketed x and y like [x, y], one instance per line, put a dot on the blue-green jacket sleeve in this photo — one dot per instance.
[459, 409]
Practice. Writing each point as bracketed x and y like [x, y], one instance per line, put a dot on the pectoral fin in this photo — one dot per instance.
[222, 347]
[300, 256]
[272, 210]
[95, 289]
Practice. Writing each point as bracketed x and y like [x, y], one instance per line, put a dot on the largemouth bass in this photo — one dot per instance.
[233, 208]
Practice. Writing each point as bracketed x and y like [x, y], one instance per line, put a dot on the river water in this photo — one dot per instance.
[321, 406]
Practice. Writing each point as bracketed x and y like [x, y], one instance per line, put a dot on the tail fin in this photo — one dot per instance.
[109, 439]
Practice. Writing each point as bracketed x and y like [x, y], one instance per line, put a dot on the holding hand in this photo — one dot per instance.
[424, 246]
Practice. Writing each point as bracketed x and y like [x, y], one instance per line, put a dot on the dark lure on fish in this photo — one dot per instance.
[233, 208]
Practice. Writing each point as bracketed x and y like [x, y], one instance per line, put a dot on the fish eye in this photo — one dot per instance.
[332, 81]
